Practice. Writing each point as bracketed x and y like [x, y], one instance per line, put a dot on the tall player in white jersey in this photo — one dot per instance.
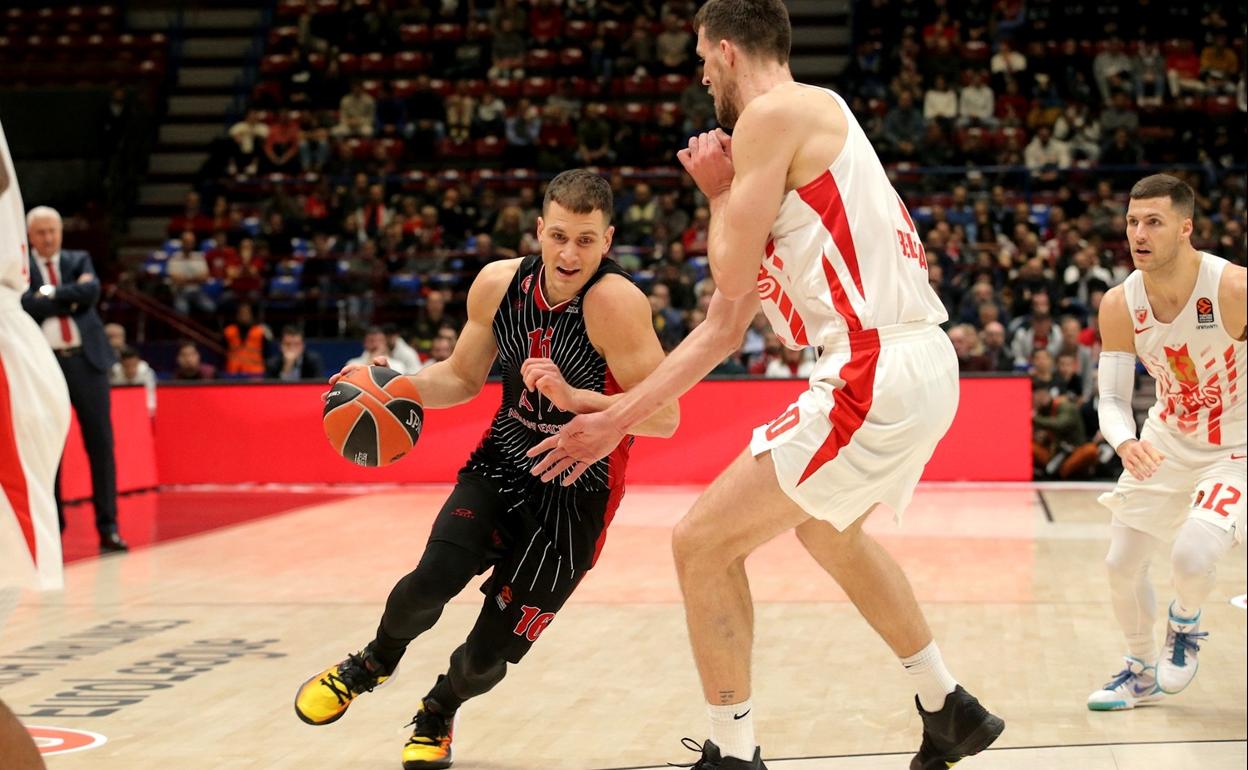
[805, 221]
[1183, 313]
[34, 418]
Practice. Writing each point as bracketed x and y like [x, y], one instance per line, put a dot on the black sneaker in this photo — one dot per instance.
[962, 728]
[713, 760]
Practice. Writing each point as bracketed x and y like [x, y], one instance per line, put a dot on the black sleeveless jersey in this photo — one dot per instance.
[527, 326]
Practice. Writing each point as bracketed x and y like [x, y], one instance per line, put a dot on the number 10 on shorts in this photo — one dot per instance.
[533, 622]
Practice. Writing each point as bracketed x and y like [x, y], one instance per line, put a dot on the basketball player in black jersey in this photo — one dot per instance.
[569, 329]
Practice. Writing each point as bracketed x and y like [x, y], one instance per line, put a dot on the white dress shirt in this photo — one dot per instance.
[52, 324]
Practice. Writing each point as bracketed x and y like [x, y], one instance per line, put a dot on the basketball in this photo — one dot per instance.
[373, 416]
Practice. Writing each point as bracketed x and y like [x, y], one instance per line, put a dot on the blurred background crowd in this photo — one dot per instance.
[374, 155]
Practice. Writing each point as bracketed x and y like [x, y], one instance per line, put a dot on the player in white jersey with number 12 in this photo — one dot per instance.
[1183, 313]
[804, 221]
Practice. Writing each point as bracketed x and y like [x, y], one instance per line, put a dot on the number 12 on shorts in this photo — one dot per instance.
[1212, 502]
[533, 622]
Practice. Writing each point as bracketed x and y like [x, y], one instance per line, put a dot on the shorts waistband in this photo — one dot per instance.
[881, 337]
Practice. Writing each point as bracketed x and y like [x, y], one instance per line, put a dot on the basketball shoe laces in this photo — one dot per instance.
[1184, 641]
[692, 745]
[430, 727]
[354, 675]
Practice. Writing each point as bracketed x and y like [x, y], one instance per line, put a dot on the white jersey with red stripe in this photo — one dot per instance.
[844, 255]
[14, 265]
[1198, 366]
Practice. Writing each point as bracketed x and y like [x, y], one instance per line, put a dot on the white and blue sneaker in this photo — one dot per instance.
[1133, 686]
[1178, 664]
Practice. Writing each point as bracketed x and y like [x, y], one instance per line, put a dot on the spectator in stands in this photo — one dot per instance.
[189, 365]
[672, 45]
[315, 150]
[967, 346]
[696, 104]
[187, 270]
[1084, 275]
[1060, 445]
[1046, 157]
[249, 135]
[400, 351]
[426, 114]
[791, 364]
[993, 349]
[698, 233]
[1219, 65]
[1113, 70]
[130, 369]
[281, 146]
[375, 345]
[940, 102]
[244, 278]
[357, 113]
[1183, 69]
[512, 11]
[374, 214]
[1035, 331]
[903, 130]
[523, 129]
[1080, 355]
[294, 361]
[1120, 115]
[637, 52]
[191, 218]
[545, 22]
[244, 343]
[429, 320]
[1043, 370]
[391, 111]
[470, 57]
[976, 102]
[593, 137]
[1007, 63]
[1079, 130]
[1122, 150]
[507, 54]
[490, 118]
[637, 223]
[116, 334]
[1148, 68]
[442, 347]
[461, 108]
[669, 324]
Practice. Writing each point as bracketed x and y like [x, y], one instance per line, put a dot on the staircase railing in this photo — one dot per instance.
[184, 326]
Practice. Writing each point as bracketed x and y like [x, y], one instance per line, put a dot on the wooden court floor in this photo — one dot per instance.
[187, 654]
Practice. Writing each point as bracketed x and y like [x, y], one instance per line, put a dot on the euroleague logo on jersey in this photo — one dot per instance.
[1204, 313]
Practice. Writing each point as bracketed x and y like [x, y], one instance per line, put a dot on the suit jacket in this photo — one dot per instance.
[310, 368]
[77, 300]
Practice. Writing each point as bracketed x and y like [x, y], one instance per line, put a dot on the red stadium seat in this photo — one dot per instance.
[372, 88]
[1222, 104]
[673, 83]
[449, 148]
[374, 63]
[614, 30]
[288, 8]
[489, 147]
[667, 108]
[441, 87]
[411, 61]
[348, 63]
[275, 64]
[474, 88]
[327, 6]
[585, 88]
[636, 112]
[481, 30]
[578, 29]
[506, 88]
[572, 60]
[976, 50]
[403, 88]
[537, 87]
[392, 146]
[540, 60]
[414, 34]
[280, 35]
[636, 85]
[447, 33]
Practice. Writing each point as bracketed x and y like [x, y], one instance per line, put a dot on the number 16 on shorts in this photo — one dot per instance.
[533, 622]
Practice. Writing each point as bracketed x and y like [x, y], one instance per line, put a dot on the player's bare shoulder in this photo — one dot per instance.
[1233, 299]
[610, 305]
[490, 285]
[1115, 321]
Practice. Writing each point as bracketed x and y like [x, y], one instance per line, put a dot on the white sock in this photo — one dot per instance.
[732, 729]
[932, 680]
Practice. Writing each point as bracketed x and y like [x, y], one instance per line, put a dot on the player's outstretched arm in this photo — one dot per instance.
[618, 320]
[461, 377]
[1116, 384]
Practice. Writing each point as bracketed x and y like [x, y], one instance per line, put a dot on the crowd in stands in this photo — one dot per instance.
[390, 150]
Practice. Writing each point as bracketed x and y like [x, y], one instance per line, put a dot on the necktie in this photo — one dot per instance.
[66, 333]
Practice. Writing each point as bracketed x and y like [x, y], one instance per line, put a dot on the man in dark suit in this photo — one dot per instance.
[295, 361]
[62, 297]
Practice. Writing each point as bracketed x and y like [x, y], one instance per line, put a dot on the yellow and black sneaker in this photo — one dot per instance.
[429, 748]
[324, 698]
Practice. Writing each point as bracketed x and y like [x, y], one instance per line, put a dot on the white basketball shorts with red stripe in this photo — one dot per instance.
[34, 418]
[879, 402]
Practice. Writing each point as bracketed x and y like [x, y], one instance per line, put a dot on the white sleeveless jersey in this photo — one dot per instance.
[1198, 366]
[14, 264]
[844, 255]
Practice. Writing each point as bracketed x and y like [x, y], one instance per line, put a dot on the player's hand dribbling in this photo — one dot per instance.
[542, 374]
[584, 441]
[377, 361]
[708, 159]
[1140, 458]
